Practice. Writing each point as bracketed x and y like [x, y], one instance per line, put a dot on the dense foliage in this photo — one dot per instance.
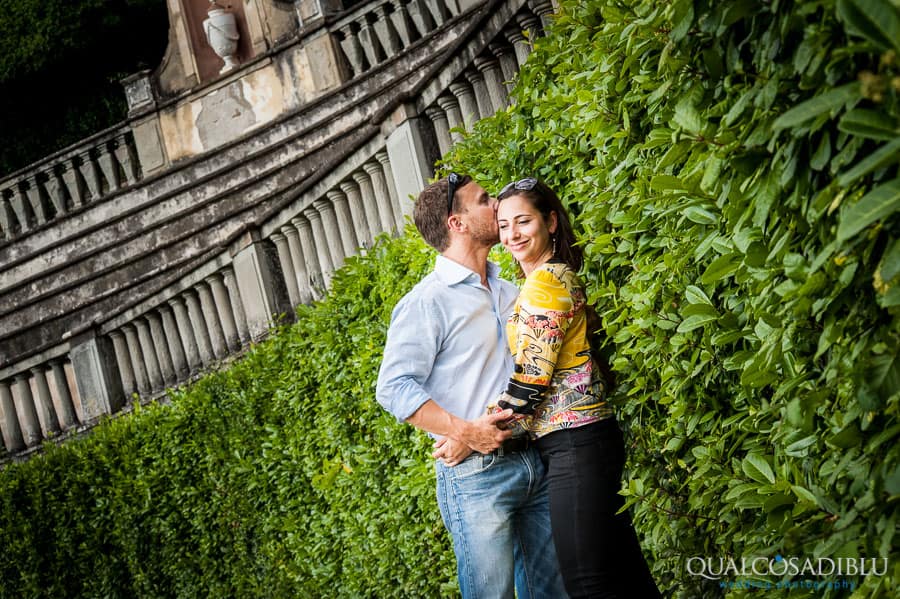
[733, 166]
[733, 171]
[60, 65]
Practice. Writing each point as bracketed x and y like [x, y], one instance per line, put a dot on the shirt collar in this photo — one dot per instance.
[451, 273]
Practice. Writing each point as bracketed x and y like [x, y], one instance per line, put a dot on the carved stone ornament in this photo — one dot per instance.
[222, 34]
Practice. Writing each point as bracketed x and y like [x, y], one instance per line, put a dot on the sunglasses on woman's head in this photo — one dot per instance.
[526, 184]
[453, 180]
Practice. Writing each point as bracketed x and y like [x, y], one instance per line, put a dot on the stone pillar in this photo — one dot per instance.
[382, 195]
[44, 404]
[441, 128]
[137, 359]
[96, 376]
[198, 326]
[123, 361]
[370, 205]
[321, 242]
[520, 44]
[298, 263]
[507, 59]
[237, 307]
[454, 119]
[358, 213]
[151, 361]
[263, 296]
[412, 164]
[316, 280]
[489, 68]
[480, 91]
[223, 308]
[9, 421]
[186, 332]
[66, 406]
[530, 23]
[349, 243]
[176, 348]
[331, 230]
[287, 268]
[158, 336]
[28, 416]
[399, 208]
[544, 9]
[468, 106]
[211, 316]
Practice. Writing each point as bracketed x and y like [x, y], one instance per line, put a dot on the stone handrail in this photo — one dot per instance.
[83, 173]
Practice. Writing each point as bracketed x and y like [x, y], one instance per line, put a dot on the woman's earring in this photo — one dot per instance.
[554, 245]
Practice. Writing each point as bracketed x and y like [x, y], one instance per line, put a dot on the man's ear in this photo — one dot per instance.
[454, 223]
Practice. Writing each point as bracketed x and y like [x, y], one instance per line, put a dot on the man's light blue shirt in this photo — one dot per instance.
[447, 342]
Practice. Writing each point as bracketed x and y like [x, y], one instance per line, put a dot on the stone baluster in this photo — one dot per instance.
[369, 40]
[332, 231]
[286, 261]
[46, 411]
[370, 204]
[544, 9]
[489, 68]
[385, 31]
[9, 420]
[382, 195]
[454, 119]
[401, 19]
[90, 173]
[521, 45]
[349, 242]
[397, 205]
[65, 406]
[507, 59]
[298, 263]
[211, 316]
[137, 359]
[223, 308]
[468, 106]
[453, 7]
[186, 332]
[358, 213]
[35, 196]
[108, 167]
[29, 423]
[421, 17]
[198, 326]
[441, 128]
[123, 361]
[22, 209]
[161, 346]
[126, 156]
[56, 191]
[310, 256]
[173, 338]
[151, 361]
[320, 241]
[237, 304]
[530, 23]
[353, 50]
[480, 91]
[74, 183]
[8, 221]
[438, 10]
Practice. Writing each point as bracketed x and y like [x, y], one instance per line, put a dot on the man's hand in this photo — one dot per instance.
[450, 451]
[483, 434]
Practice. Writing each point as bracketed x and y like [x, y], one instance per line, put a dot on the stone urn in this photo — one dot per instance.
[222, 34]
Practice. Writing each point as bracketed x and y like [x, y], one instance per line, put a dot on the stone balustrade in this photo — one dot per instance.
[376, 32]
[81, 174]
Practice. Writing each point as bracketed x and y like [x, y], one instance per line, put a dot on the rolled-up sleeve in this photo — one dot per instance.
[413, 342]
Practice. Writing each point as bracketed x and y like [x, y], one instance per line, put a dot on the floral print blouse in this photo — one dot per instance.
[548, 338]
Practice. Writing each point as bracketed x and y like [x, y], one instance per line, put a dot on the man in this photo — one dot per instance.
[445, 360]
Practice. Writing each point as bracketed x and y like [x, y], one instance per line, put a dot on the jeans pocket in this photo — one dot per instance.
[475, 464]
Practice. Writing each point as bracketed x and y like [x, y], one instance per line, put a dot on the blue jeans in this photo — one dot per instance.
[497, 510]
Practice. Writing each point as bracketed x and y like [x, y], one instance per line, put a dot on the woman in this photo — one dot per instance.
[558, 390]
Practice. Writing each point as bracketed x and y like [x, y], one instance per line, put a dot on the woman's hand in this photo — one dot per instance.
[450, 451]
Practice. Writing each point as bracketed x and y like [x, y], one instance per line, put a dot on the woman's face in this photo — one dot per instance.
[525, 232]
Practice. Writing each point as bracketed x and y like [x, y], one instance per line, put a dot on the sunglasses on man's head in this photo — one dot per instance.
[453, 180]
[526, 184]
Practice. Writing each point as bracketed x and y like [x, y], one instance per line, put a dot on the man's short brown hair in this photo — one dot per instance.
[430, 212]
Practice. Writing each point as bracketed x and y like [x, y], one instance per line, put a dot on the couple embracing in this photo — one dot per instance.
[528, 453]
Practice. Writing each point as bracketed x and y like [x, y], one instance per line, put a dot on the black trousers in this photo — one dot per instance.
[598, 550]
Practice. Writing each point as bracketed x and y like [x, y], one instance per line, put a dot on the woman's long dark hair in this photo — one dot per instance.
[545, 201]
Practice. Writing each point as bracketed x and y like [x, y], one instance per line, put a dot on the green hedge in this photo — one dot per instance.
[733, 168]
[733, 171]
